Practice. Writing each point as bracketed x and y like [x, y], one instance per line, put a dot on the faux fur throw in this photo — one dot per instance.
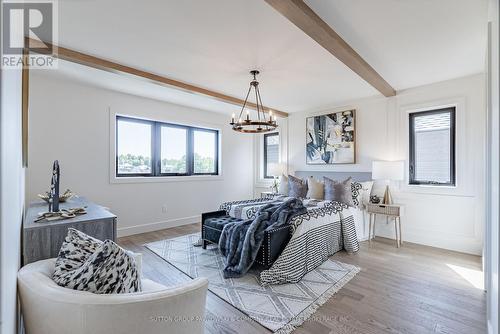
[240, 241]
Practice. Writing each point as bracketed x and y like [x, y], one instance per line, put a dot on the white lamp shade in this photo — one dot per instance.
[275, 169]
[388, 170]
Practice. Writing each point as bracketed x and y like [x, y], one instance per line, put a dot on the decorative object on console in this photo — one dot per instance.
[338, 191]
[331, 138]
[263, 123]
[62, 198]
[388, 171]
[54, 188]
[374, 199]
[297, 187]
[61, 214]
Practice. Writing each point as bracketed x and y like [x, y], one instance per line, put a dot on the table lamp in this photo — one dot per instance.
[275, 170]
[388, 171]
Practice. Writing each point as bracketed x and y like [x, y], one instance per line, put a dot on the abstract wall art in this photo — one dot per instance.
[331, 138]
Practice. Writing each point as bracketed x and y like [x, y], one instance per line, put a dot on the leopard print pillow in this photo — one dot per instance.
[87, 264]
[75, 250]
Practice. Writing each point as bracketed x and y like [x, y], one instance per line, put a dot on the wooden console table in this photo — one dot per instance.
[42, 240]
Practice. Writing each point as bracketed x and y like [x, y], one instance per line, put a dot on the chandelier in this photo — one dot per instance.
[262, 123]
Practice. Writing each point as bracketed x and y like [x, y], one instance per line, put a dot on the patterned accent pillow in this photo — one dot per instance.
[356, 192]
[88, 264]
[338, 191]
[75, 250]
[109, 270]
[297, 187]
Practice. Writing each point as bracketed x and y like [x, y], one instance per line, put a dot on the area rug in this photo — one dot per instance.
[280, 308]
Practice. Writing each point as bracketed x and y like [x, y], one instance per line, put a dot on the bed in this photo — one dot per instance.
[325, 229]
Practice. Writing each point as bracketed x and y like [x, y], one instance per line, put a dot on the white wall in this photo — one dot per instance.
[260, 183]
[493, 202]
[11, 197]
[71, 122]
[445, 218]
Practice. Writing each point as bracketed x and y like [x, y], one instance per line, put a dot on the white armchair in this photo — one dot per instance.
[50, 309]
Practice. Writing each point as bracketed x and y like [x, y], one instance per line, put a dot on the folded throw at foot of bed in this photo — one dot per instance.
[240, 241]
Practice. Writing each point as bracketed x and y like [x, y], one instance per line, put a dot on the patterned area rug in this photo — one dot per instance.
[280, 308]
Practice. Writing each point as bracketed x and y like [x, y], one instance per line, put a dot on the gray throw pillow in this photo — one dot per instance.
[338, 191]
[297, 187]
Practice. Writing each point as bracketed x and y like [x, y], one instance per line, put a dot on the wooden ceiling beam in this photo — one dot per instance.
[297, 12]
[109, 66]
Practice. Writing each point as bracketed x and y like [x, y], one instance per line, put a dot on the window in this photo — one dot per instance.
[134, 150]
[271, 152]
[205, 151]
[173, 151]
[432, 147]
[149, 148]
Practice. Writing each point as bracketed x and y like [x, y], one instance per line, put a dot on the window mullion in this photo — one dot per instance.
[156, 146]
[190, 151]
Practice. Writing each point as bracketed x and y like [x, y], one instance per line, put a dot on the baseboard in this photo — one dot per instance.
[447, 242]
[150, 227]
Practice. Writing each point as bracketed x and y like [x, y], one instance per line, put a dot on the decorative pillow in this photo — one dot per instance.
[283, 188]
[365, 193]
[338, 191]
[88, 264]
[296, 187]
[356, 189]
[75, 250]
[315, 189]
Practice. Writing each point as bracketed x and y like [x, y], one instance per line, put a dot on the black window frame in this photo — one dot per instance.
[156, 127]
[412, 172]
[266, 135]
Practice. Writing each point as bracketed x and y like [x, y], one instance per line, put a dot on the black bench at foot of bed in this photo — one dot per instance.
[274, 242]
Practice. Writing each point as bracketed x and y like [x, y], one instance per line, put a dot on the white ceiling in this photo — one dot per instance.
[215, 43]
[412, 42]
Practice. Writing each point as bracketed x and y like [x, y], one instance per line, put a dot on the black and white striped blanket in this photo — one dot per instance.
[325, 229]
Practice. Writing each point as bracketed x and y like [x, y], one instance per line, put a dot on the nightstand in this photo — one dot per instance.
[390, 211]
[267, 194]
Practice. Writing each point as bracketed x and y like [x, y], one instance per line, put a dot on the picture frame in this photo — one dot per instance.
[331, 138]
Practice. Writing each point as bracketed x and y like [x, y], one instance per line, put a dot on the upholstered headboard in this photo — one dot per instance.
[356, 176]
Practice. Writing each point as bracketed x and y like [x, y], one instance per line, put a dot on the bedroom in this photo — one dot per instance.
[381, 161]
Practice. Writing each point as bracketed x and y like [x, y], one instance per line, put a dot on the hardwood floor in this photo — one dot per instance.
[413, 289]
